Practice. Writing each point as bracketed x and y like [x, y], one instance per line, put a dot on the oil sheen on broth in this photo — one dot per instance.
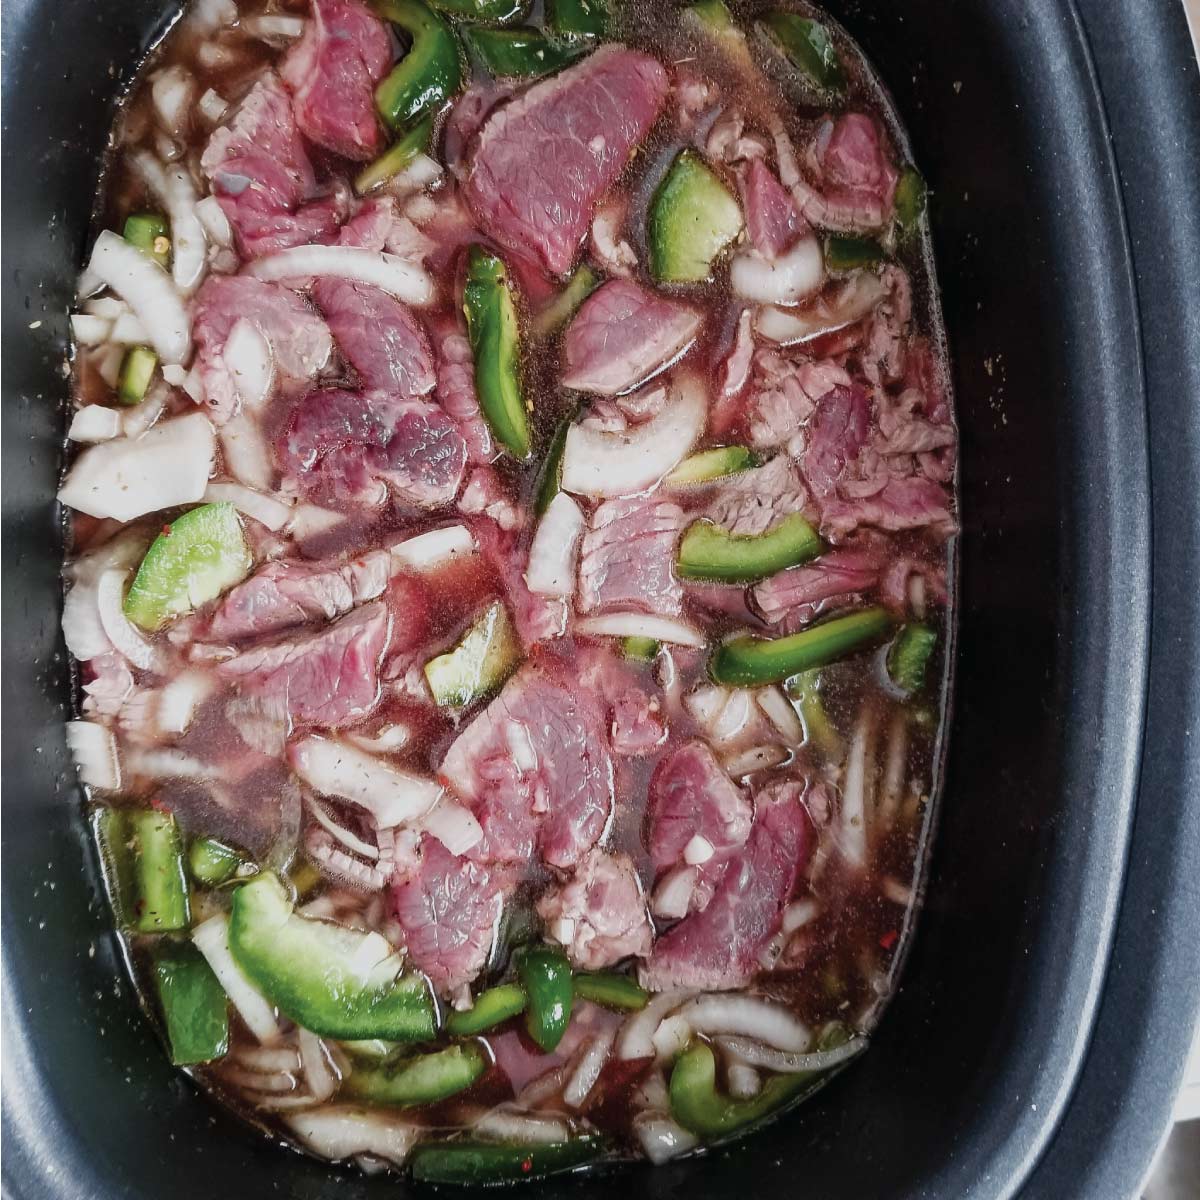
[513, 509]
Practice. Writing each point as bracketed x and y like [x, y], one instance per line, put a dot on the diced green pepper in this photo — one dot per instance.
[424, 1079]
[428, 75]
[212, 862]
[562, 308]
[809, 48]
[577, 18]
[488, 654]
[137, 370]
[716, 21]
[640, 649]
[693, 217]
[846, 252]
[397, 157]
[497, 11]
[197, 557]
[337, 982]
[111, 831]
[546, 976]
[149, 233]
[193, 1004]
[551, 481]
[749, 661]
[495, 342]
[908, 657]
[911, 198]
[160, 886]
[708, 551]
[698, 1106]
[491, 1008]
[521, 53]
[818, 729]
[470, 1162]
[303, 877]
[712, 464]
[611, 990]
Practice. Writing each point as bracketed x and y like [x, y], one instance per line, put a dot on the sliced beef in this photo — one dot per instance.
[772, 219]
[690, 794]
[733, 371]
[599, 914]
[536, 769]
[627, 556]
[283, 594]
[837, 432]
[636, 723]
[298, 338]
[537, 618]
[456, 390]
[545, 159]
[622, 334]
[720, 946]
[380, 337]
[903, 576]
[750, 502]
[330, 678]
[332, 72]
[466, 118]
[262, 177]
[447, 907]
[910, 502]
[794, 596]
[783, 394]
[424, 461]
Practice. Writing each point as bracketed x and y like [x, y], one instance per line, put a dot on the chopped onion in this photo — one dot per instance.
[698, 850]
[754, 1053]
[453, 825]
[308, 520]
[636, 1039]
[396, 276]
[149, 292]
[95, 423]
[507, 1124]
[391, 795]
[895, 764]
[852, 301]
[94, 750]
[784, 280]
[781, 714]
[735, 1013]
[631, 624]
[212, 940]
[743, 1081]
[269, 1060]
[110, 598]
[350, 840]
[586, 1074]
[167, 148]
[653, 1093]
[853, 840]
[341, 1131]
[280, 1083]
[434, 549]
[179, 699]
[671, 1037]
[318, 1072]
[108, 365]
[599, 463]
[168, 763]
[705, 703]
[272, 26]
[266, 510]
[171, 92]
[388, 739]
[127, 330]
[895, 891]
[798, 914]
[206, 16]
[136, 419]
[82, 630]
[247, 457]
[247, 354]
[673, 895]
[176, 192]
[216, 223]
[734, 717]
[757, 758]
[108, 307]
[212, 107]
[562, 930]
[552, 556]
[419, 173]
[661, 1138]
[88, 330]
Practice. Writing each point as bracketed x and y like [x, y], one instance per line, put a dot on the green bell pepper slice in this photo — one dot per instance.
[577, 18]
[908, 657]
[550, 483]
[640, 649]
[472, 1162]
[808, 47]
[714, 463]
[193, 1004]
[428, 75]
[708, 551]
[397, 157]
[496, 11]
[563, 307]
[847, 252]
[337, 982]
[611, 990]
[136, 375]
[520, 53]
[425, 1079]
[151, 234]
[491, 1008]
[489, 652]
[818, 729]
[545, 975]
[911, 199]
[160, 886]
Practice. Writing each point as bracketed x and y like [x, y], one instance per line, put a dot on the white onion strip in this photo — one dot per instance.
[783, 280]
[435, 548]
[348, 839]
[749, 1016]
[270, 511]
[453, 825]
[94, 750]
[781, 713]
[388, 272]
[552, 556]
[754, 1053]
[661, 1138]
[853, 839]
[636, 1039]
[506, 1124]
[95, 423]
[212, 940]
[179, 699]
[585, 1075]
[175, 191]
[318, 1073]
[340, 1131]
[631, 624]
[110, 598]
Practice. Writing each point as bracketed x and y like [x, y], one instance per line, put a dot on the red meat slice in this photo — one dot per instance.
[627, 557]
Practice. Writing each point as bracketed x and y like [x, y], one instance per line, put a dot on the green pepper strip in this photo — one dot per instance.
[315, 971]
[708, 551]
[640, 649]
[472, 1162]
[428, 75]
[137, 371]
[425, 1079]
[577, 18]
[908, 657]
[149, 233]
[818, 729]
[160, 886]
[520, 53]
[193, 1004]
[749, 661]
[498, 11]
[551, 481]
[491, 1008]
[611, 990]
[212, 862]
[546, 976]
[911, 198]
[714, 463]
[562, 308]
[809, 47]
[397, 158]
[845, 252]
[494, 334]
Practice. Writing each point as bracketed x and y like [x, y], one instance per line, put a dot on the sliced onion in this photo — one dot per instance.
[743, 1081]
[318, 1072]
[706, 703]
[138, 418]
[308, 520]
[735, 1013]
[110, 599]
[216, 223]
[269, 1060]
[698, 850]
[270, 27]
[555, 548]
[266, 510]
[94, 750]
[340, 1131]
[419, 173]
[168, 763]
[127, 330]
[212, 940]
[784, 280]
[781, 713]
[539, 1090]
[562, 930]
[507, 1124]
[247, 354]
[630, 624]
[734, 718]
[348, 839]
[212, 106]
[598, 463]
[453, 825]
[853, 839]
[636, 1039]
[434, 549]
[754, 1053]
[127, 478]
[661, 1138]
[180, 698]
[148, 290]
[281, 1083]
[108, 365]
[895, 765]
[396, 276]
[587, 1073]
[392, 796]
[108, 307]
[653, 1093]
[757, 758]
[387, 740]
[853, 301]
[798, 914]
[81, 626]
[95, 423]
[673, 894]
[206, 16]
[671, 1037]
[174, 189]
[247, 456]
[171, 93]
[89, 330]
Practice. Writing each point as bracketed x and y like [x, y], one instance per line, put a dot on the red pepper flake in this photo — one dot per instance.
[159, 805]
[166, 531]
[527, 1165]
[889, 939]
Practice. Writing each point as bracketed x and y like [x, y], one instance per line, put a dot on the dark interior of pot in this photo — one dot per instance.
[979, 1050]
